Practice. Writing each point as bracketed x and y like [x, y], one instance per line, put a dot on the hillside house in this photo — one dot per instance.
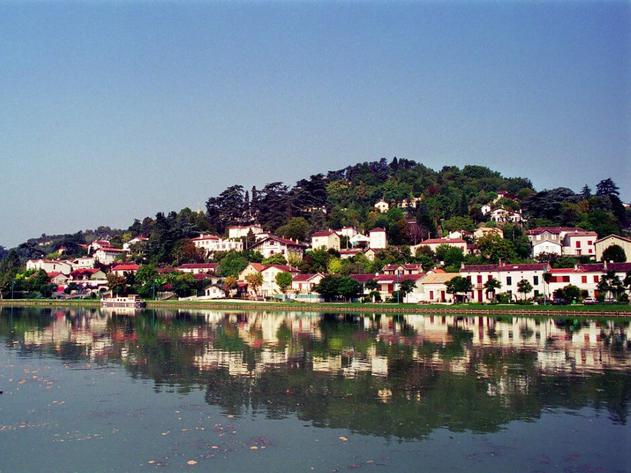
[325, 239]
[275, 245]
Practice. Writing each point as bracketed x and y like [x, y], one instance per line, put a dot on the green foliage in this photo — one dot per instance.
[494, 248]
[275, 259]
[451, 256]
[334, 287]
[297, 228]
[524, 287]
[459, 286]
[459, 223]
[284, 281]
[232, 264]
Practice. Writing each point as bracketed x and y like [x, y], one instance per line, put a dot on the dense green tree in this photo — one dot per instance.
[297, 228]
[283, 280]
[275, 259]
[459, 287]
[231, 264]
[614, 253]
[524, 287]
[493, 248]
[492, 285]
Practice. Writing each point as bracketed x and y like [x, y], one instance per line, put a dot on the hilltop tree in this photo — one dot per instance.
[227, 208]
[297, 228]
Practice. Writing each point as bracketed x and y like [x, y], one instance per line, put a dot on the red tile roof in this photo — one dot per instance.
[362, 278]
[281, 240]
[477, 268]
[304, 277]
[323, 233]
[126, 267]
[210, 266]
[442, 241]
[282, 267]
[205, 237]
[555, 230]
[397, 278]
[377, 230]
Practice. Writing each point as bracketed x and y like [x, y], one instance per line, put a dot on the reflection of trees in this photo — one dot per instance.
[431, 379]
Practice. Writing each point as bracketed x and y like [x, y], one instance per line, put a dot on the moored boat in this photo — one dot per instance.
[133, 301]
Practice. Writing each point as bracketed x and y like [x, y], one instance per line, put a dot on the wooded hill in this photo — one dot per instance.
[448, 199]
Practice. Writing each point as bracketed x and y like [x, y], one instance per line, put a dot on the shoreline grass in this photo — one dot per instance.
[614, 310]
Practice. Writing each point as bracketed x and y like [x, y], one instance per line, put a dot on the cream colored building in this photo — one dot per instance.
[326, 239]
[610, 240]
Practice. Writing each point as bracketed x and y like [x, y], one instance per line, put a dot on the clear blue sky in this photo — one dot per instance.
[112, 111]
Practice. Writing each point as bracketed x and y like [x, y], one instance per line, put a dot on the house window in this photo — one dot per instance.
[595, 278]
[489, 277]
[479, 279]
[509, 281]
[578, 244]
[584, 279]
[535, 280]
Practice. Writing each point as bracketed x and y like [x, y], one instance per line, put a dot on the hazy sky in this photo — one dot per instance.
[111, 111]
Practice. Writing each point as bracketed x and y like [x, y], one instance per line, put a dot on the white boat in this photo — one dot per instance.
[132, 301]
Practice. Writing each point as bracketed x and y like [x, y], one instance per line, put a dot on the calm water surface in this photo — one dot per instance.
[89, 391]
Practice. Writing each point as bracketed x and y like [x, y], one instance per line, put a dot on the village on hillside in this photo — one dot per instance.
[373, 232]
[275, 273]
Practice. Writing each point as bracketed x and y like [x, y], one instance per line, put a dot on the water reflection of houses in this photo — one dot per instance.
[80, 328]
[249, 343]
[559, 345]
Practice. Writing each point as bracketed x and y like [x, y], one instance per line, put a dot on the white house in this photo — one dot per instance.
[509, 275]
[108, 254]
[546, 247]
[269, 287]
[573, 241]
[50, 266]
[197, 268]
[211, 244]
[213, 291]
[580, 243]
[348, 232]
[83, 262]
[124, 269]
[378, 239]
[401, 269]
[382, 206]
[325, 239]
[359, 240]
[432, 288]
[506, 216]
[275, 245]
[305, 283]
[135, 241]
[242, 231]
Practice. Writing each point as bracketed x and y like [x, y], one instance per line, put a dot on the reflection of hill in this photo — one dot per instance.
[397, 376]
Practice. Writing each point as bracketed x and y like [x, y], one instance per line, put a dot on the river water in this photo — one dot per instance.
[90, 391]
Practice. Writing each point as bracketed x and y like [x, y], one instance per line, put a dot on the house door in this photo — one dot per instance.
[480, 295]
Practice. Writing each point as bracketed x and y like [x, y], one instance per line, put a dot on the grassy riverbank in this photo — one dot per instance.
[615, 310]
